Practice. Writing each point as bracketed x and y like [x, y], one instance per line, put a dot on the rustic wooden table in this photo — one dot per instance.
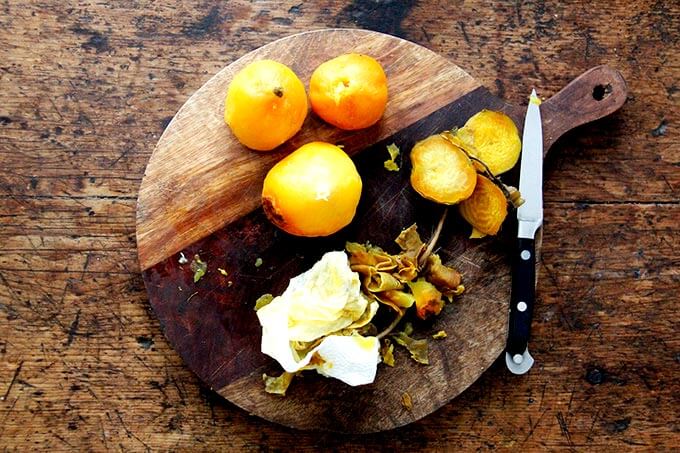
[88, 87]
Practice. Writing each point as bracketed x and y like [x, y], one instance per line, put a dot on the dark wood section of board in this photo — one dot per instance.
[87, 91]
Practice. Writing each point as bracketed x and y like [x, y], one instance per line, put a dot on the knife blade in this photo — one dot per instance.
[529, 220]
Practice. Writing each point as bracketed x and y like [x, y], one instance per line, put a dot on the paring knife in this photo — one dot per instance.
[529, 220]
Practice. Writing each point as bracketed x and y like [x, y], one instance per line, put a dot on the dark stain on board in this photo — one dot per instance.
[660, 129]
[282, 20]
[385, 16]
[206, 25]
[97, 41]
[619, 426]
[165, 122]
[73, 329]
[145, 342]
[596, 375]
[295, 9]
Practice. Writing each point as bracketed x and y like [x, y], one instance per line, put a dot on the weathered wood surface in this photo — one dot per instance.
[88, 88]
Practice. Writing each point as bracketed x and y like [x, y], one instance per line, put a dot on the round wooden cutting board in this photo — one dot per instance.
[201, 195]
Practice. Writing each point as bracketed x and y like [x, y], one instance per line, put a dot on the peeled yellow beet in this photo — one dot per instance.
[441, 172]
[491, 137]
[314, 191]
[486, 208]
[266, 105]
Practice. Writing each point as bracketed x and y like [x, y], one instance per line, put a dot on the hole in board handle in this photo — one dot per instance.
[601, 91]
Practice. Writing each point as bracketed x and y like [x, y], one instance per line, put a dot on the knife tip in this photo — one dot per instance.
[533, 98]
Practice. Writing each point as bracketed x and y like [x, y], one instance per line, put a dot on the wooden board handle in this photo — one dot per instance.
[592, 95]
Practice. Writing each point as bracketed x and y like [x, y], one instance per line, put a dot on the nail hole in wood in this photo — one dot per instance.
[601, 91]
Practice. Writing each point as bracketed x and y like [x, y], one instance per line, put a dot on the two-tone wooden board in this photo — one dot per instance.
[201, 195]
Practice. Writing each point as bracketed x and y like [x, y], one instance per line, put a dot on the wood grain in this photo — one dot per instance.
[89, 87]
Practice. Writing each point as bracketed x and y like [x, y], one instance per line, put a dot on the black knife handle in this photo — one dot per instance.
[522, 296]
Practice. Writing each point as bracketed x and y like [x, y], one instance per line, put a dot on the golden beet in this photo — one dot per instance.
[491, 137]
[314, 191]
[441, 172]
[266, 105]
[349, 91]
[486, 209]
